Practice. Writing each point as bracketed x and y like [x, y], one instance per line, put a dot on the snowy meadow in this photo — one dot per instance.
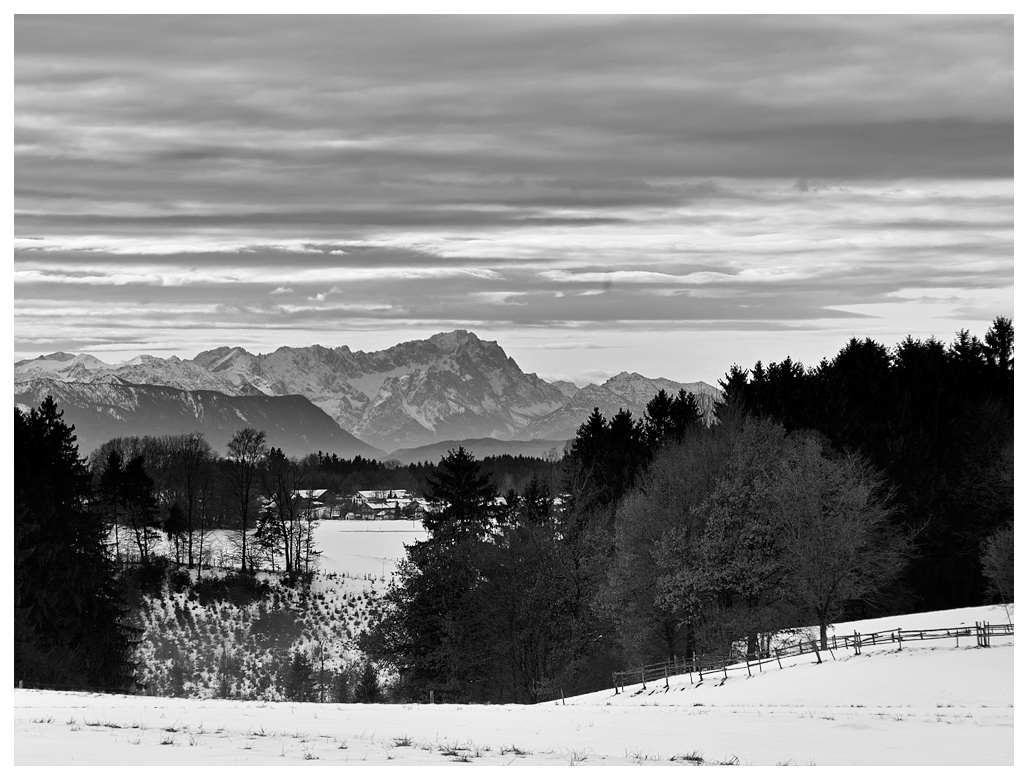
[931, 703]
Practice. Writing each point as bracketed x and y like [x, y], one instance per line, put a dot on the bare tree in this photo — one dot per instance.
[191, 459]
[998, 562]
[837, 542]
[282, 482]
[246, 451]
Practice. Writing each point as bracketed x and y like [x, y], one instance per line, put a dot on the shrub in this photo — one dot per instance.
[238, 588]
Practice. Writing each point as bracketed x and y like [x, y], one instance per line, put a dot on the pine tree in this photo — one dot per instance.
[434, 631]
[67, 614]
[367, 690]
[175, 528]
[299, 682]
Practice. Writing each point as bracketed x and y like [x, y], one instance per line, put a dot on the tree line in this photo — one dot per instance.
[177, 487]
[88, 530]
[876, 483]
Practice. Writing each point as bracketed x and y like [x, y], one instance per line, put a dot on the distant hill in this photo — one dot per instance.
[480, 448]
[110, 407]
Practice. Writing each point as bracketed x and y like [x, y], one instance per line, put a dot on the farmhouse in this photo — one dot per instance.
[397, 504]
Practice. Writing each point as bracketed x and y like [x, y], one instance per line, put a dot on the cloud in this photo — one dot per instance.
[548, 172]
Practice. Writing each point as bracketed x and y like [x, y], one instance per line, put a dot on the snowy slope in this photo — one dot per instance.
[924, 705]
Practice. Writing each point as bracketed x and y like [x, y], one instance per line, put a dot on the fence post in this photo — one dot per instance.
[856, 643]
[899, 637]
[695, 663]
[642, 673]
[778, 658]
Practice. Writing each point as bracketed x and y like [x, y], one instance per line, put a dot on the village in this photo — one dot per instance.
[375, 505]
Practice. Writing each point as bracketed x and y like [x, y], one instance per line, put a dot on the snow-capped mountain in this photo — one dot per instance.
[452, 386]
[141, 370]
[638, 390]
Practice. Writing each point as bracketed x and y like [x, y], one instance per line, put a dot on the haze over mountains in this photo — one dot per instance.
[450, 387]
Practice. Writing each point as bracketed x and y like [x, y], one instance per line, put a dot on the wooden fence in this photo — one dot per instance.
[700, 668]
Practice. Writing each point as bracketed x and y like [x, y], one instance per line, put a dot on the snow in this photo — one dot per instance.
[928, 704]
[362, 547]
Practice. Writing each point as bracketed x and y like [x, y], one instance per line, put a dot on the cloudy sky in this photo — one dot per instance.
[652, 194]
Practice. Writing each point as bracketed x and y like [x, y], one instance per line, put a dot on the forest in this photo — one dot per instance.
[877, 482]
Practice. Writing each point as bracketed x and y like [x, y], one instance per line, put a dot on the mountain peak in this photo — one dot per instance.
[454, 340]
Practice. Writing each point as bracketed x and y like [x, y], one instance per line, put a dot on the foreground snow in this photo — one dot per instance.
[931, 703]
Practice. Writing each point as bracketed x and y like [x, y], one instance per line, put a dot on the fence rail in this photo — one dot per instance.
[705, 666]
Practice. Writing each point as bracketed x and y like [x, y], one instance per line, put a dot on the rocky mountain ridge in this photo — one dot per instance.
[451, 386]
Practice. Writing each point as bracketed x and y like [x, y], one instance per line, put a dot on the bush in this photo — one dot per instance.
[143, 579]
[276, 628]
[238, 588]
[179, 580]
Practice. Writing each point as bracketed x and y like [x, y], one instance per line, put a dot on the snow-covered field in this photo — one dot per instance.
[360, 547]
[353, 548]
[927, 704]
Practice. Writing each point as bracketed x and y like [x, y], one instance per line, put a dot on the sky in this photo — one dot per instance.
[666, 195]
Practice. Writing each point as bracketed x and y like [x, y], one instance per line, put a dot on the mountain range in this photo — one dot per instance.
[450, 387]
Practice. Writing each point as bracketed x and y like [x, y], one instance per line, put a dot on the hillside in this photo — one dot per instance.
[940, 706]
[108, 407]
[202, 641]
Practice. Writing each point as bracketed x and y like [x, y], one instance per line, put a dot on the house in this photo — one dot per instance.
[394, 504]
[317, 503]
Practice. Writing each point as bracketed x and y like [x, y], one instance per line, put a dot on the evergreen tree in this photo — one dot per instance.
[299, 682]
[464, 495]
[140, 505]
[434, 631]
[175, 528]
[67, 614]
[367, 690]
[110, 495]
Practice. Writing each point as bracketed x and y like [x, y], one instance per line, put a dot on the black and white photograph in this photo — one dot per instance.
[566, 387]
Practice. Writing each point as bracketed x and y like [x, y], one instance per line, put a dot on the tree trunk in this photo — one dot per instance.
[751, 647]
